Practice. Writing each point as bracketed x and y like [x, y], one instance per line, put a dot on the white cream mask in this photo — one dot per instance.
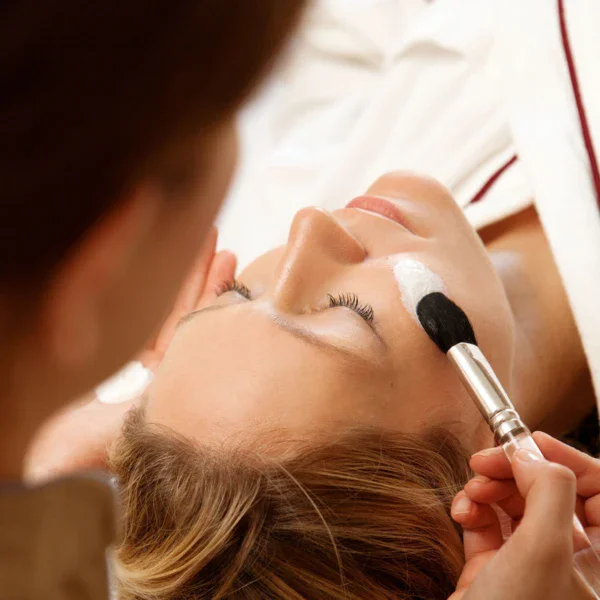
[415, 281]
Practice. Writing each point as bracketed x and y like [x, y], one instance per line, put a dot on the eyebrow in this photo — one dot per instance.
[300, 333]
[195, 313]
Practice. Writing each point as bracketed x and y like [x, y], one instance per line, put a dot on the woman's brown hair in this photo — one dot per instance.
[97, 95]
[361, 517]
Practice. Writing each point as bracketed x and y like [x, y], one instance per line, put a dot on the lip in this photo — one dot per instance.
[382, 207]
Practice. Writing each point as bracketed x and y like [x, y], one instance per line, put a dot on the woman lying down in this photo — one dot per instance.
[303, 437]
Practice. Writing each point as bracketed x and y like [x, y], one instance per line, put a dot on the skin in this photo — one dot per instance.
[551, 384]
[76, 437]
[254, 375]
[109, 296]
[536, 562]
[286, 361]
[520, 314]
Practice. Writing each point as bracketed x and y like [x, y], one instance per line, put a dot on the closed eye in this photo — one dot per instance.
[352, 302]
[348, 300]
[235, 286]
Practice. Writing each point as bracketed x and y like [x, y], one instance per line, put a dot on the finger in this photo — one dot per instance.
[189, 293]
[195, 282]
[549, 490]
[470, 572]
[492, 463]
[484, 490]
[221, 271]
[481, 528]
[505, 494]
[586, 468]
[591, 512]
[502, 492]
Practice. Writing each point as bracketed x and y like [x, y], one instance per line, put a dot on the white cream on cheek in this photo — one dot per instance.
[415, 281]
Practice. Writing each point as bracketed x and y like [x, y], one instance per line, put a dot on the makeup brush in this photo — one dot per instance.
[444, 322]
[424, 296]
[449, 328]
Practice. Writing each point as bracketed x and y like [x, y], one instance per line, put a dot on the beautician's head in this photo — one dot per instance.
[293, 448]
[116, 120]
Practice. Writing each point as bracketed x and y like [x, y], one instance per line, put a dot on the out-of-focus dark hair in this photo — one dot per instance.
[95, 96]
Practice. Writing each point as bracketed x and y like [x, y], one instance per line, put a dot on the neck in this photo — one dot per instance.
[550, 385]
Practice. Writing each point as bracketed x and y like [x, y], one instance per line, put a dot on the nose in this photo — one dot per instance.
[319, 248]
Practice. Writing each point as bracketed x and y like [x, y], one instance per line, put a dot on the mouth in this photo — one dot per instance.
[383, 207]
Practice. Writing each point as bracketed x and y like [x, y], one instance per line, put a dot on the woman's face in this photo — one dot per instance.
[282, 354]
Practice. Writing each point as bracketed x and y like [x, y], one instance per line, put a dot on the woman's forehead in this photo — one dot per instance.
[216, 376]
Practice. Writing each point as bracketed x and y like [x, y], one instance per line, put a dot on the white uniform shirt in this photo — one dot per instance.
[476, 93]
[374, 86]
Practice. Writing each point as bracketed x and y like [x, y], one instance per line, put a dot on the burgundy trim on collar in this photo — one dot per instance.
[585, 128]
[492, 180]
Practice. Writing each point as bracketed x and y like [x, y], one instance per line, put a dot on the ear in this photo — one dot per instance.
[71, 315]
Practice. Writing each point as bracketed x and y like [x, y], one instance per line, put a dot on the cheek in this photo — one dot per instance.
[472, 282]
[479, 292]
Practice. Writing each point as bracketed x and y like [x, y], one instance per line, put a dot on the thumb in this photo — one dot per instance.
[222, 270]
[550, 492]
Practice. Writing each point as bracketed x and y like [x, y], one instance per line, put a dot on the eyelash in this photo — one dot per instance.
[349, 300]
[236, 286]
[352, 302]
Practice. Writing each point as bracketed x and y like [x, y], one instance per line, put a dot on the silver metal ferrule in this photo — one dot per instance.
[487, 392]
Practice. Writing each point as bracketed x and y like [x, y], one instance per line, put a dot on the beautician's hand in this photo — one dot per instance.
[211, 270]
[536, 562]
[78, 437]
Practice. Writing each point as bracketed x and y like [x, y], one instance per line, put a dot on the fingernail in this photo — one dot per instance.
[461, 506]
[490, 452]
[527, 456]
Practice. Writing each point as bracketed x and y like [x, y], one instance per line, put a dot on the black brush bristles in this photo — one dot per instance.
[444, 322]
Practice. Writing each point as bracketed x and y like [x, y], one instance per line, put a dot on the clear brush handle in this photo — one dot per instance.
[510, 432]
[585, 558]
